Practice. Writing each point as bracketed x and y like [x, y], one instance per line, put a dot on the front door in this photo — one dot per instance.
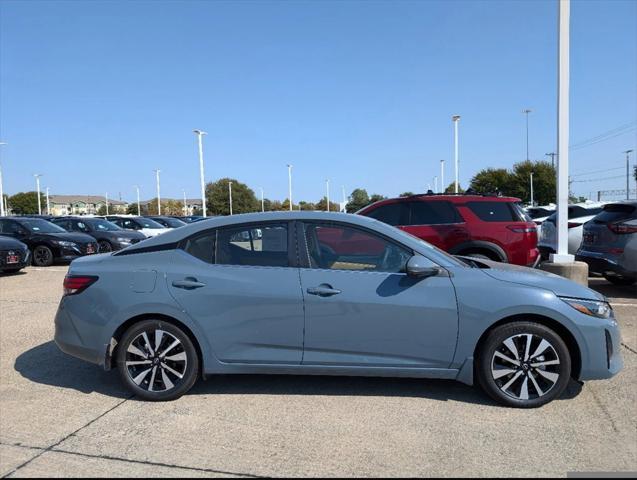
[361, 309]
[238, 285]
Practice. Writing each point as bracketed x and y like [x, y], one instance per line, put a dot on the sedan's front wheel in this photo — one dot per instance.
[157, 360]
[523, 364]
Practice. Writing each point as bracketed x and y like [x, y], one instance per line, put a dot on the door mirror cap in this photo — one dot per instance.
[421, 267]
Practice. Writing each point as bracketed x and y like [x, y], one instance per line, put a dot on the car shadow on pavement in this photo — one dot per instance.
[47, 364]
[612, 291]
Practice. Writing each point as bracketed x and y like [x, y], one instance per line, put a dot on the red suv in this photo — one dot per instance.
[483, 226]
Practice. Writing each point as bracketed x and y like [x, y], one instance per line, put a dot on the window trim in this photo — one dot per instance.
[302, 245]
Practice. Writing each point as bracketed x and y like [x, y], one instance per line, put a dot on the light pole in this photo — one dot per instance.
[290, 185]
[327, 188]
[532, 189]
[526, 112]
[2, 210]
[455, 119]
[106, 203]
[185, 206]
[158, 192]
[627, 152]
[442, 176]
[37, 183]
[200, 134]
[262, 201]
[552, 155]
[230, 195]
[344, 199]
[139, 208]
[48, 210]
[436, 184]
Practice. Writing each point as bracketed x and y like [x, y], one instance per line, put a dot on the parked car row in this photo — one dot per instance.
[43, 240]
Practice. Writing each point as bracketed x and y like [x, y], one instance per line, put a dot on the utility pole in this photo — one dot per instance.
[290, 185]
[3, 212]
[344, 199]
[455, 120]
[262, 201]
[48, 210]
[139, 208]
[185, 206]
[628, 152]
[327, 187]
[106, 202]
[158, 192]
[436, 184]
[526, 112]
[532, 203]
[200, 134]
[442, 175]
[37, 183]
[230, 195]
[552, 155]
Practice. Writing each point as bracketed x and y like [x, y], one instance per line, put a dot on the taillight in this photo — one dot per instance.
[74, 284]
[622, 228]
[518, 229]
[573, 224]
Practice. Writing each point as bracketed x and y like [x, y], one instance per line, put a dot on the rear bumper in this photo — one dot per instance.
[602, 264]
[25, 261]
[69, 340]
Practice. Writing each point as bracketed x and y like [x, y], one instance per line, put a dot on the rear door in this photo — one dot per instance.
[243, 289]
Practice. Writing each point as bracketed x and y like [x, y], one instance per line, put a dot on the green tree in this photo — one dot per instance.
[26, 203]
[544, 182]
[451, 188]
[322, 205]
[406, 194]
[308, 206]
[491, 180]
[102, 210]
[218, 198]
[357, 200]
[132, 209]
[376, 197]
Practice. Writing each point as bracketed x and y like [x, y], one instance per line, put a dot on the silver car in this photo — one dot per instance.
[329, 294]
[609, 244]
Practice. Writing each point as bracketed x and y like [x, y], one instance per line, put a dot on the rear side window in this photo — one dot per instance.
[493, 211]
[264, 246]
[391, 214]
[433, 213]
[616, 212]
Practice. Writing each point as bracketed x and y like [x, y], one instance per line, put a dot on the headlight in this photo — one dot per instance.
[594, 308]
[64, 243]
[123, 240]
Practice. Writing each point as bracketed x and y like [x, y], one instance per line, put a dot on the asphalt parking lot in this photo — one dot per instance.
[62, 417]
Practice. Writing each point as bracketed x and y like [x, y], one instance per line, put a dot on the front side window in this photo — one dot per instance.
[336, 247]
[79, 226]
[433, 213]
[264, 246]
[493, 211]
[9, 227]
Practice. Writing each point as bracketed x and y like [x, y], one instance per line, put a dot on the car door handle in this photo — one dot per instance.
[188, 284]
[323, 290]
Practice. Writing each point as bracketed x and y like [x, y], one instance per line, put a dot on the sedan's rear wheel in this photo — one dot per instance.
[157, 360]
[524, 364]
[42, 256]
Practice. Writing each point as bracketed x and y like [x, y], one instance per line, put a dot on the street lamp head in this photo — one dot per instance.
[200, 132]
[527, 110]
[455, 118]
[628, 151]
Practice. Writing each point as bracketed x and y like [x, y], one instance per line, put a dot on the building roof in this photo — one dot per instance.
[84, 199]
[189, 201]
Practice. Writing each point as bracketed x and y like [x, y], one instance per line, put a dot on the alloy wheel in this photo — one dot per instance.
[525, 366]
[42, 256]
[158, 365]
[104, 246]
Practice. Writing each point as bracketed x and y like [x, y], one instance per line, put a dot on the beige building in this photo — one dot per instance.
[192, 204]
[83, 205]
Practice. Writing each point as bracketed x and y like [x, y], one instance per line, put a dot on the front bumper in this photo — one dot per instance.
[67, 254]
[602, 264]
[603, 357]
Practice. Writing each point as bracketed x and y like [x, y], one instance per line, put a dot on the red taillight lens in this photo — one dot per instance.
[74, 284]
[519, 229]
[573, 225]
[622, 228]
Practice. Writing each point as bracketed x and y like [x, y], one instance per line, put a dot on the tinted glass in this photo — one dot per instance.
[171, 222]
[265, 246]
[80, 226]
[41, 226]
[343, 248]
[538, 212]
[493, 211]
[65, 224]
[391, 214]
[616, 212]
[202, 247]
[103, 225]
[432, 213]
[148, 223]
[8, 226]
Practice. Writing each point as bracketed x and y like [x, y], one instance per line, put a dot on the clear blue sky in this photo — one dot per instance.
[96, 94]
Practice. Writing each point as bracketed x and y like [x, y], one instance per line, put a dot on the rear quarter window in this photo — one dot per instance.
[494, 211]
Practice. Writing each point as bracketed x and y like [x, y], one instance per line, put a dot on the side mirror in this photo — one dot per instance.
[421, 267]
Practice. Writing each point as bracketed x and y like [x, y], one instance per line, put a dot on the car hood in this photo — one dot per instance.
[538, 278]
[68, 237]
[130, 234]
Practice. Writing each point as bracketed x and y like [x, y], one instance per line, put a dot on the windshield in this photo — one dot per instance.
[103, 226]
[148, 223]
[174, 222]
[37, 225]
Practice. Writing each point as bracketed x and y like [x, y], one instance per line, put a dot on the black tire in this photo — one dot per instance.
[42, 256]
[523, 379]
[11, 270]
[104, 246]
[158, 366]
[622, 281]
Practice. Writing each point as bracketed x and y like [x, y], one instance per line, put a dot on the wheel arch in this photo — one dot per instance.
[564, 333]
[119, 332]
[479, 246]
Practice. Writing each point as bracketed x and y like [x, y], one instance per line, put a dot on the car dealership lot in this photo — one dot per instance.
[60, 416]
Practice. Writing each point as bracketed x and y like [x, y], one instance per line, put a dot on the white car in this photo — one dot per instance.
[540, 213]
[148, 227]
[578, 215]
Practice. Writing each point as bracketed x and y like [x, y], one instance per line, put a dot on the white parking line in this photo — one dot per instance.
[614, 304]
[47, 269]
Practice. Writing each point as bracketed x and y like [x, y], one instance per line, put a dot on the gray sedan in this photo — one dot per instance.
[329, 294]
